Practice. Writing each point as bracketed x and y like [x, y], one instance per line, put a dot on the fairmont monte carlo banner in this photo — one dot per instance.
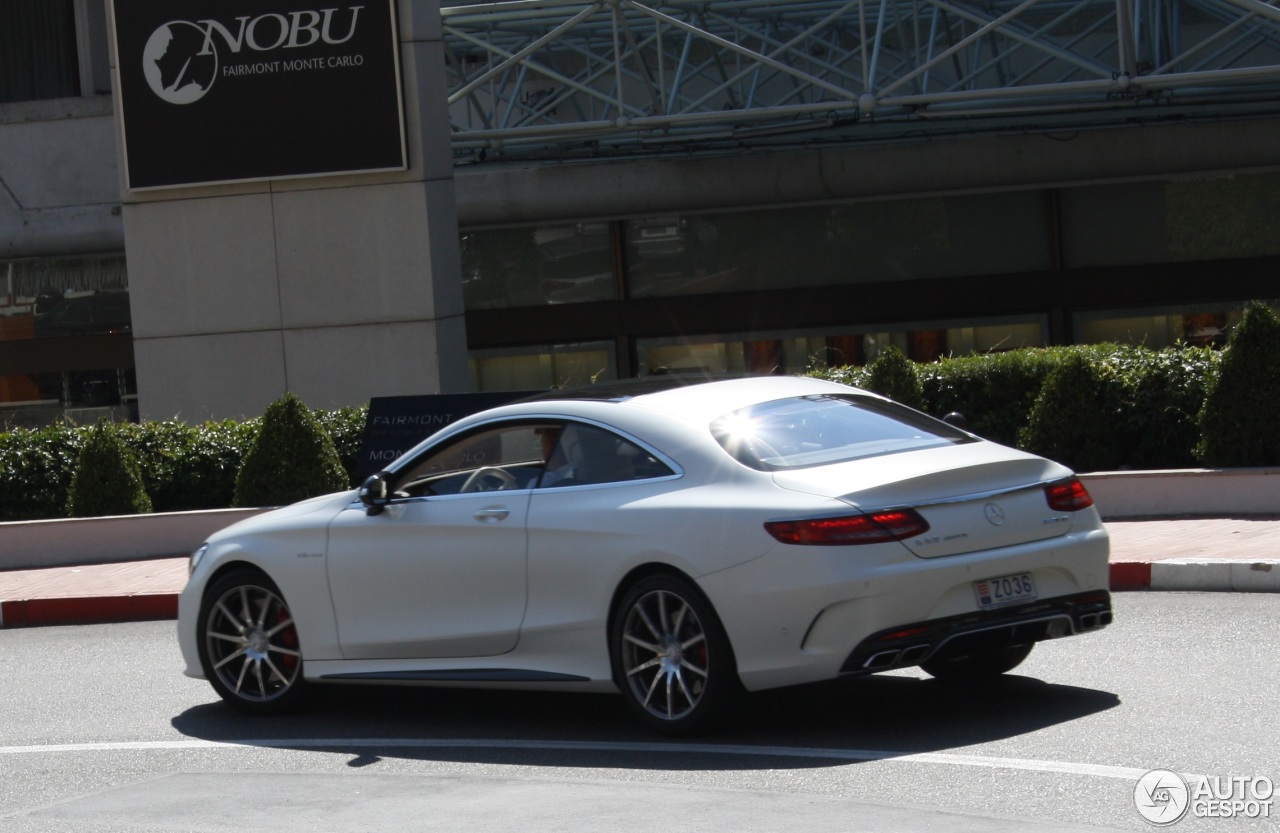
[235, 90]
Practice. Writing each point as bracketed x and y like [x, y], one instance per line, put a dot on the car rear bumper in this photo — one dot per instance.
[914, 643]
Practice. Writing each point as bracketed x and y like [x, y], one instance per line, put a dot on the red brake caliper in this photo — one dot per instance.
[287, 638]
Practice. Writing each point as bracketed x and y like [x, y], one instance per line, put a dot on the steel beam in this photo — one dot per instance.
[545, 78]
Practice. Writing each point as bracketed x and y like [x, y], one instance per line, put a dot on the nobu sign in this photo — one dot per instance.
[234, 90]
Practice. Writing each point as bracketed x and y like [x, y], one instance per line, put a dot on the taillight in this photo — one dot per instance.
[873, 528]
[1068, 496]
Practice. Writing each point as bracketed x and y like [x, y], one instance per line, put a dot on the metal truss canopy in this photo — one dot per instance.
[557, 78]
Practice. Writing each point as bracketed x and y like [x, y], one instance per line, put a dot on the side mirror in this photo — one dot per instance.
[957, 419]
[374, 494]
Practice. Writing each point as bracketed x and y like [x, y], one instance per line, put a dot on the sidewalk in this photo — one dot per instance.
[1203, 554]
[1215, 554]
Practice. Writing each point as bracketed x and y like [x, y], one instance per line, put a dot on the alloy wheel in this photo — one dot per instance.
[250, 644]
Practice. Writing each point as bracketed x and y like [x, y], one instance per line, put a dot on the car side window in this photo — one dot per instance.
[586, 454]
[491, 459]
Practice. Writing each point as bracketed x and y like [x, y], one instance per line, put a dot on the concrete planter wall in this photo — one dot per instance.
[1183, 492]
[30, 545]
[26, 545]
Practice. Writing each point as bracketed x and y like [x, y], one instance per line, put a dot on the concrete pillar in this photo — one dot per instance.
[338, 288]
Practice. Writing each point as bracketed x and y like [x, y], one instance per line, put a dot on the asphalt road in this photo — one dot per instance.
[100, 732]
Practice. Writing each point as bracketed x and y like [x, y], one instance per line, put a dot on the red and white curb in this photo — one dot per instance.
[88, 610]
[1210, 575]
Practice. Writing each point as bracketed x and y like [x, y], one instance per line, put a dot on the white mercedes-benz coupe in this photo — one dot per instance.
[679, 543]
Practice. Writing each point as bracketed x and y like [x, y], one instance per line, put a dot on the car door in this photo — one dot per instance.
[441, 572]
[591, 513]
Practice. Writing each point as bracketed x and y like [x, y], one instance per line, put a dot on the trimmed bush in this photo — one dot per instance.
[346, 427]
[1161, 392]
[893, 375]
[994, 392]
[190, 467]
[106, 479]
[1239, 420]
[1157, 417]
[292, 458]
[1157, 395]
[846, 375]
[1074, 418]
[36, 466]
[182, 467]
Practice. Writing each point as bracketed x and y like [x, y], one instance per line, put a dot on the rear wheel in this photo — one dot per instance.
[979, 664]
[249, 647]
[671, 657]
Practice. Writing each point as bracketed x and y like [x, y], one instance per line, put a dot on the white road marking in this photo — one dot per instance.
[940, 758]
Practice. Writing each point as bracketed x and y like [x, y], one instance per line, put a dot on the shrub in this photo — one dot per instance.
[893, 375]
[190, 467]
[1238, 420]
[994, 392]
[851, 375]
[106, 479]
[291, 458]
[36, 466]
[1073, 419]
[1156, 394]
[1161, 394]
[346, 427]
[182, 467]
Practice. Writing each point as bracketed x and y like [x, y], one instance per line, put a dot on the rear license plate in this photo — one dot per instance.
[1005, 591]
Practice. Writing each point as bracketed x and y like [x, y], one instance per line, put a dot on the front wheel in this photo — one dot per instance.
[249, 647]
[671, 657]
[979, 665]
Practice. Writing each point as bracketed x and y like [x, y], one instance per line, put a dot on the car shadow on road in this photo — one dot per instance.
[827, 724]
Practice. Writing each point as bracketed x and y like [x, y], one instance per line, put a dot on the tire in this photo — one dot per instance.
[980, 665]
[249, 646]
[671, 658]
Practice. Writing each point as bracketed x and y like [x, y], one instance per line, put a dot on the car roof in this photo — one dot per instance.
[620, 390]
[686, 402]
[699, 397]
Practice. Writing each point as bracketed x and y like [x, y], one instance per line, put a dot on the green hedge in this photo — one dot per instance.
[1150, 399]
[183, 467]
[893, 375]
[36, 466]
[1075, 416]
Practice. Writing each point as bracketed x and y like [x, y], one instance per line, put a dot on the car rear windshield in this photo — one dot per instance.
[823, 429]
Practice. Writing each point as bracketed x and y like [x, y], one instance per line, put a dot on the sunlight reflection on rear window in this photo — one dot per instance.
[824, 429]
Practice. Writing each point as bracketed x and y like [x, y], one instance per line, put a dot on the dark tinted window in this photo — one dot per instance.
[526, 455]
[818, 430]
[38, 56]
[495, 458]
[586, 454]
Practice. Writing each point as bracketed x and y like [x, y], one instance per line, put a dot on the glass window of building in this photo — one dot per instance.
[1176, 221]
[689, 259]
[1225, 217]
[38, 53]
[535, 266]
[543, 368]
[798, 353]
[837, 245]
[1200, 325]
[65, 348]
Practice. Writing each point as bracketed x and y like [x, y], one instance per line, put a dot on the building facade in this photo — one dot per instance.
[646, 186]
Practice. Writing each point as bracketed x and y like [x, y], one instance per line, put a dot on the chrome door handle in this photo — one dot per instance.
[492, 514]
